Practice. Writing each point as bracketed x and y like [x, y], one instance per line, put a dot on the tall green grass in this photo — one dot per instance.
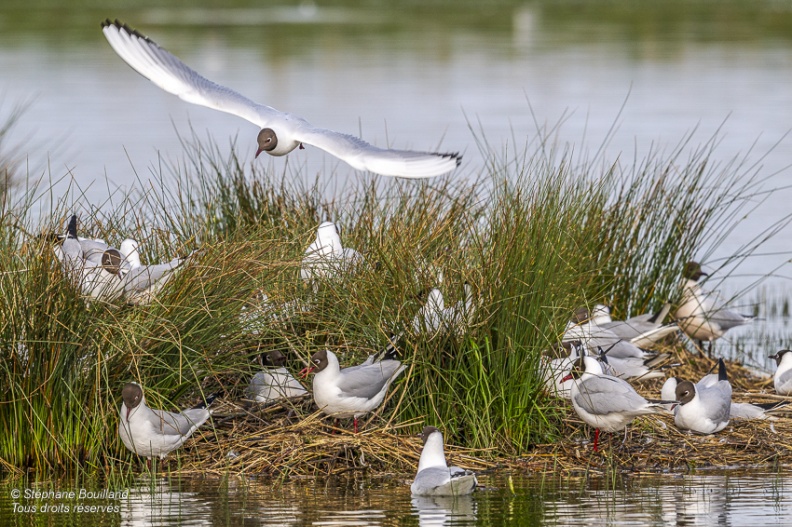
[537, 234]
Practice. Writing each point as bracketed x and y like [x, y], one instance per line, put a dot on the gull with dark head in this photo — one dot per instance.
[704, 407]
[280, 132]
[782, 378]
[156, 433]
[350, 392]
[274, 383]
[605, 402]
[702, 314]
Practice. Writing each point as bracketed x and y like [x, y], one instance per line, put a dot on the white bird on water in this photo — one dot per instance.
[148, 432]
[350, 392]
[435, 477]
[280, 132]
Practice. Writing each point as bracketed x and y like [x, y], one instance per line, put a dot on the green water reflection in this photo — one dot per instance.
[704, 499]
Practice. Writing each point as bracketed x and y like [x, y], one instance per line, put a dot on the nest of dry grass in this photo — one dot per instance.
[294, 441]
[288, 442]
[654, 444]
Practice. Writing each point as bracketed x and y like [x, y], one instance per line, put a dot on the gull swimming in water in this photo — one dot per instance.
[280, 132]
[156, 433]
[435, 477]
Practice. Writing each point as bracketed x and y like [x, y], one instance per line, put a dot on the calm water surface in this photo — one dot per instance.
[723, 499]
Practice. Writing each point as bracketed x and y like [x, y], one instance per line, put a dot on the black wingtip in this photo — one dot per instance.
[209, 400]
[722, 376]
[125, 28]
[71, 230]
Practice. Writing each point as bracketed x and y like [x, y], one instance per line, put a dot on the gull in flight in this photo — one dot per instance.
[280, 132]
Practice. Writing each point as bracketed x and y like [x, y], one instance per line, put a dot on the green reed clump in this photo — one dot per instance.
[538, 234]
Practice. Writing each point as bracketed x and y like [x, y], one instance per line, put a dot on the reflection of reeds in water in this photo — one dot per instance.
[536, 235]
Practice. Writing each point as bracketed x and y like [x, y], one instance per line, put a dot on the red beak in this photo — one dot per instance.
[305, 371]
[567, 378]
[258, 151]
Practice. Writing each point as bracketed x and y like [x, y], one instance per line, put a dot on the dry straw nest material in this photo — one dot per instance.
[295, 441]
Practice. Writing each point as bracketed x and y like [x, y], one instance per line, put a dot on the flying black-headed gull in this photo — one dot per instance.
[435, 477]
[274, 383]
[605, 402]
[702, 315]
[350, 392]
[280, 132]
[642, 330]
[148, 432]
[704, 407]
[782, 378]
[326, 254]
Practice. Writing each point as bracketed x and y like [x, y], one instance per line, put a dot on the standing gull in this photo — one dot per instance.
[702, 315]
[350, 392]
[435, 477]
[148, 432]
[280, 132]
[605, 402]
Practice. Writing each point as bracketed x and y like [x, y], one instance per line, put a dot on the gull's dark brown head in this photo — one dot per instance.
[132, 394]
[267, 141]
[426, 432]
[273, 358]
[685, 391]
[693, 271]
[319, 360]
